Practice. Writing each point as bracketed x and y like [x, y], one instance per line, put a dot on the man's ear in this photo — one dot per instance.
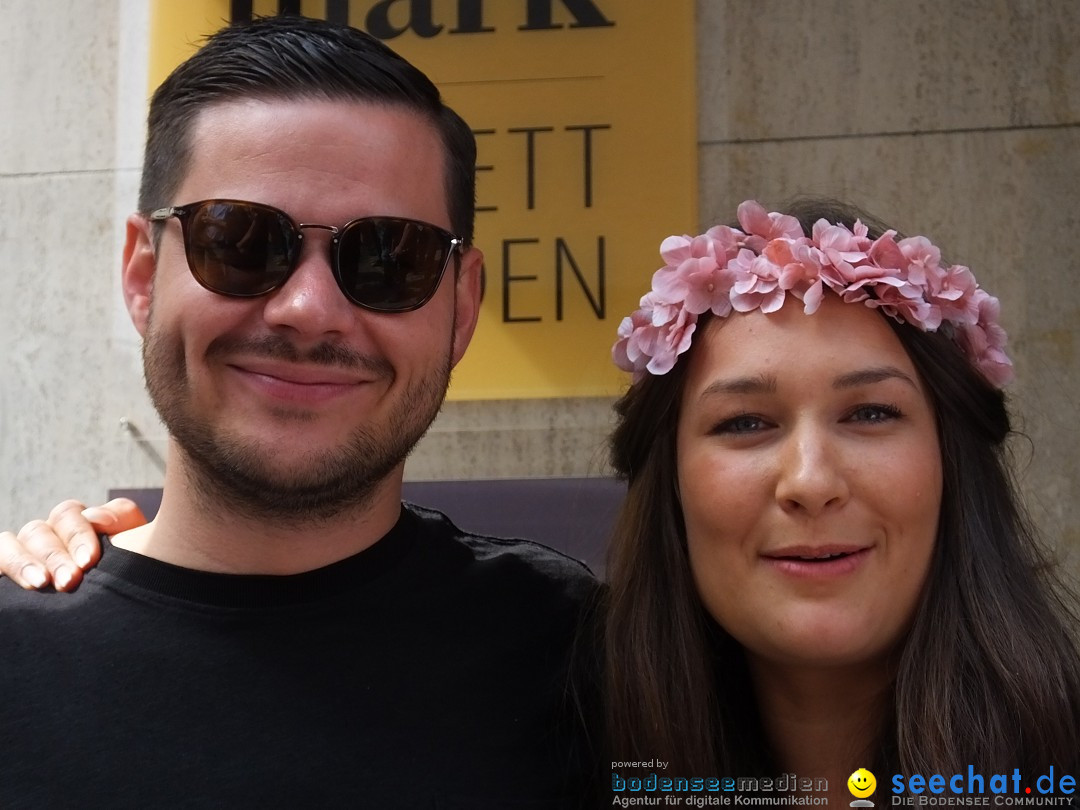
[138, 270]
[468, 294]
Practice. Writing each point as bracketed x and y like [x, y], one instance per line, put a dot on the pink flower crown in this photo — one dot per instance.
[725, 270]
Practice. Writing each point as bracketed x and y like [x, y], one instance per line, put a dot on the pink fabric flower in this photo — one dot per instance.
[985, 341]
[725, 270]
[923, 259]
[905, 304]
[885, 254]
[645, 345]
[762, 227]
[953, 289]
[696, 274]
[677, 249]
[757, 284]
[725, 242]
[710, 290]
[842, 248]
[800, 270]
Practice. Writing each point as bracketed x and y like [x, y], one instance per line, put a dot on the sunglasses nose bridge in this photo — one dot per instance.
[333, 230]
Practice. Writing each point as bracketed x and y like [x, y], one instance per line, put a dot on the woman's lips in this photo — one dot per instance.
[817, 561]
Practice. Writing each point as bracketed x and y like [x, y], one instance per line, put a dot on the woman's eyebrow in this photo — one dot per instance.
[767, 384]
[867, 376]
[758, 384]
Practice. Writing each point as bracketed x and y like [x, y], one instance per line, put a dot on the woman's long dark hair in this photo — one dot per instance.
[989, 673]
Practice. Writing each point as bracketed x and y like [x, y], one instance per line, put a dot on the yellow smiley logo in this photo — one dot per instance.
[861, 783]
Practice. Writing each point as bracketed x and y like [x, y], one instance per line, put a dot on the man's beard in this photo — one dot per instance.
[236, 475]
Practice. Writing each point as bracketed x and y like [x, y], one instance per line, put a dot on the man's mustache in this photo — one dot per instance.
[278, 347]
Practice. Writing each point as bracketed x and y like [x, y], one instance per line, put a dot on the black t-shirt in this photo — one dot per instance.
[429, 671]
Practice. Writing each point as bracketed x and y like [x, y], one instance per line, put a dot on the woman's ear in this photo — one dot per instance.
[138, 270]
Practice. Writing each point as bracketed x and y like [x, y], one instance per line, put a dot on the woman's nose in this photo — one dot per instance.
[810, 478]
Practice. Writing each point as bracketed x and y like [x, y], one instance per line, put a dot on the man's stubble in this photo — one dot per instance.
[234, 474]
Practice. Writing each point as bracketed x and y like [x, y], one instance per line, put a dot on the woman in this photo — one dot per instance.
[821, 562]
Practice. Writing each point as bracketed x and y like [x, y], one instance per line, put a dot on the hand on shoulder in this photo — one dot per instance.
[57, 550]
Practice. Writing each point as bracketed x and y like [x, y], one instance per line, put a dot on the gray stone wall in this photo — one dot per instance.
[960, 120]
[72, 101]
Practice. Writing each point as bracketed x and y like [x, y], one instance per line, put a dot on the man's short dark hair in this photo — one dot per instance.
[291, 57]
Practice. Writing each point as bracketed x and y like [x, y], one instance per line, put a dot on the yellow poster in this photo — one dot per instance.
[585, 118]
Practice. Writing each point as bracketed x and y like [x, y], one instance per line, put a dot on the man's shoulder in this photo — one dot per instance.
[38, 623]
[504, 558]
[15, 600]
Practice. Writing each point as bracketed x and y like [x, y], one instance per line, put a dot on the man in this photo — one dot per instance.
[285, 632]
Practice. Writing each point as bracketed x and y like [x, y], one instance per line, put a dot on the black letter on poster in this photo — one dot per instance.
[378, 24]
[530, 162]
[586, 130]
[586, 15]
[507, 278]
[337, 11]
[470, 18]
[598, 304]
[240, 11]
[483, 167]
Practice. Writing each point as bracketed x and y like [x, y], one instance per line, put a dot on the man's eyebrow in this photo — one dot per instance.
[759, 384]
[868, 376]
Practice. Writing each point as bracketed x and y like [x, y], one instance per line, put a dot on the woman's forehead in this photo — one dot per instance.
[837, 340]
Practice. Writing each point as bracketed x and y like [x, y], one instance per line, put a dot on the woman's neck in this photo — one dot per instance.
[822, 723]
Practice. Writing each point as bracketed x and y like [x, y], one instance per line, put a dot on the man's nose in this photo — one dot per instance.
[310, 303]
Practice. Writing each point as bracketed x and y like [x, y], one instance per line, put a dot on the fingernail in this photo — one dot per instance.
[34, 574]
[82, 556]
[97, 515]
[62, 577]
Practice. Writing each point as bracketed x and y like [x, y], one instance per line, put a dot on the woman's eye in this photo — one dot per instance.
[744, 423]
[874, 413]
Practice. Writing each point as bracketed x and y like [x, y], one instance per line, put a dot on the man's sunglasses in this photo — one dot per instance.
[387, 264]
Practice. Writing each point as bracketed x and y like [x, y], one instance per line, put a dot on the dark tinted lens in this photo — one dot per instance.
[239, 248]
[391, 264]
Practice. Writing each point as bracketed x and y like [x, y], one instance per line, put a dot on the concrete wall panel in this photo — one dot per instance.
[516, 439]
[58, 91]
[55, 301]
[788, 69]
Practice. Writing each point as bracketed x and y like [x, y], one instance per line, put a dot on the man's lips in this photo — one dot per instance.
[299, 374]
[298, 383]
